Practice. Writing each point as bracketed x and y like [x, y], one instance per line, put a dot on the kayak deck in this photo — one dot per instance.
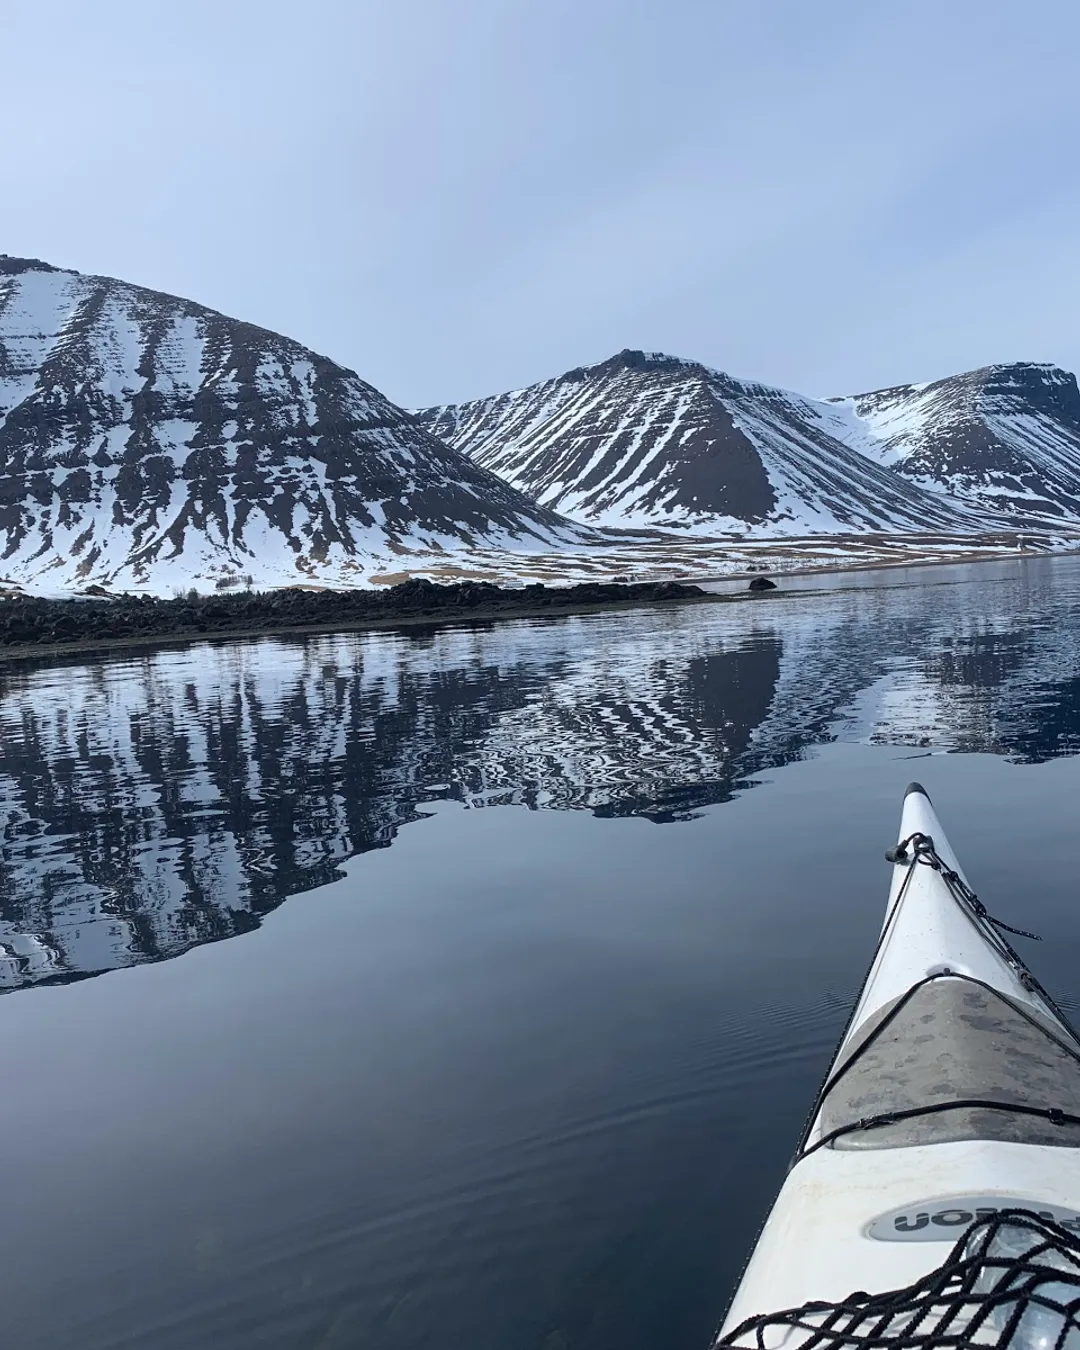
[952, 1040]
[954, 1094]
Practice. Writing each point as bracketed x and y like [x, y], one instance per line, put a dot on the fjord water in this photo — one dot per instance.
[537, 940]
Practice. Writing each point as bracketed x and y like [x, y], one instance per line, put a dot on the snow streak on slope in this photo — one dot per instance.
[1005, 437]
[147, 440]
[645, 439]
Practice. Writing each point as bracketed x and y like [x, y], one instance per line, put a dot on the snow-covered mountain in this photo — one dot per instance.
[1004, 438]
[148, 441]
[145, 439]
[645, 439]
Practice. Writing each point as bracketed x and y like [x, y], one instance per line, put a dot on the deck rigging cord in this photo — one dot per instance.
[922, 851]
[1012, 1280]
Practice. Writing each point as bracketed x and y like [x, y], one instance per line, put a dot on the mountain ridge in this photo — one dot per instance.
[644, 438]
[149, 441]
[990, 449]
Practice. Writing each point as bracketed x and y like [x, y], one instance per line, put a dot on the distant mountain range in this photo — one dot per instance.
[648, 439]
[148, 441]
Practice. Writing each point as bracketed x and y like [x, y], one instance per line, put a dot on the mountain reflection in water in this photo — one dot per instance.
[154, 802]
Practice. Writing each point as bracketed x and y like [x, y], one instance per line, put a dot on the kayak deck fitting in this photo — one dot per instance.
[950, 1115]
[1012, 1281]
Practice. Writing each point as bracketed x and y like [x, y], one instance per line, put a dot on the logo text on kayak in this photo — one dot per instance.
[945, 1220]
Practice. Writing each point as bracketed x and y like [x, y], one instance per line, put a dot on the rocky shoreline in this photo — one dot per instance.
[31, 625]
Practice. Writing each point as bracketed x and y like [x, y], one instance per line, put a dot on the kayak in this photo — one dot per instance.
[951, 1108]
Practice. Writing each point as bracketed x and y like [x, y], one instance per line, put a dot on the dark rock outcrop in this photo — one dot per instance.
[32, 620]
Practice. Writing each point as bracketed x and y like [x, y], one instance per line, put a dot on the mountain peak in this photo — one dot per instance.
[1039, 370]
[13, 267]
[1029, 385]
[1027, 379]
[631, 359]
[998, 377]
[663, 364]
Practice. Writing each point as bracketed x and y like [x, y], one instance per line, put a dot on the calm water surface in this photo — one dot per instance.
[537, 941]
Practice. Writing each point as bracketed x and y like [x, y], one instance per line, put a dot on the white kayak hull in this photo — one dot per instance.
[870, 1206]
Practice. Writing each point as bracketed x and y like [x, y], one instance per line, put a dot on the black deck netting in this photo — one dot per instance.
[1011, 1280]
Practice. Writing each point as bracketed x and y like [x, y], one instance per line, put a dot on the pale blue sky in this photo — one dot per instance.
[455, 197]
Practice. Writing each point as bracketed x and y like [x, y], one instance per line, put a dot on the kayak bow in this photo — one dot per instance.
[954, 1097]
